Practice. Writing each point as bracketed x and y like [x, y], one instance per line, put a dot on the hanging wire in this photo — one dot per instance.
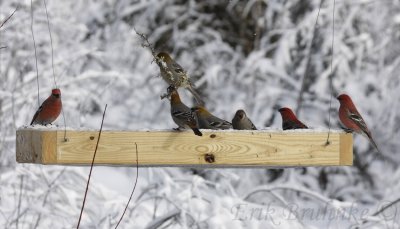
[51, 43]
[331, 75]
[36, 59]
[65, 125]
[52, 66]
[308, 64]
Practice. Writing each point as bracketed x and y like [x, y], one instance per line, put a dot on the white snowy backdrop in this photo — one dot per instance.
[241, 54]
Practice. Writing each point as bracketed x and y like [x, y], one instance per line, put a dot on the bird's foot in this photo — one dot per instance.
[347, 130]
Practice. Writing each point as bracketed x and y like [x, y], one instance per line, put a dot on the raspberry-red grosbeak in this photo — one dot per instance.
[50, 109]
[289, 120]
[351, 118]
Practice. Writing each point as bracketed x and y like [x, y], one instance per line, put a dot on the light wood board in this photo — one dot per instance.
[172, 148]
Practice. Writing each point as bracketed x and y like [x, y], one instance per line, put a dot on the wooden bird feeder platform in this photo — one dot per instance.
[173, 148]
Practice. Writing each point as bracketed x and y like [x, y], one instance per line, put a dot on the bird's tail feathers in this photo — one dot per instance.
[374, 144]
[197, 132]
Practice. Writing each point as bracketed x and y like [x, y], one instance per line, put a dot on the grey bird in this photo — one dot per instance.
[175, 75]
[242, 122]
[208, 121]
[182, 114]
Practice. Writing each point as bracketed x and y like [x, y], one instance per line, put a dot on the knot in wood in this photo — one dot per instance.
[209, 157]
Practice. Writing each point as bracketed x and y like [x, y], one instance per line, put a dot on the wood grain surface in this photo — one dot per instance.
[172, 148]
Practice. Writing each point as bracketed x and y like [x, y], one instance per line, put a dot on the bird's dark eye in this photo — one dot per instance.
[56, 95]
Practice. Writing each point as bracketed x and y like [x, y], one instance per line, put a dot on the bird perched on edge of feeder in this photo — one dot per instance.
[50, 109]
[289, 120]
[209, 121]
[241, 122]
[182, 114]
[175, 75]
[351, 118]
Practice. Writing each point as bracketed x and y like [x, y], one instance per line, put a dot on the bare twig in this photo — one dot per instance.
[3, 47]
[134, 187]
[386, 207]
[46, 195]
[156, 223]
[8, 18]
[91, 167]
[381, 210]
[147, 44]
[19, 201]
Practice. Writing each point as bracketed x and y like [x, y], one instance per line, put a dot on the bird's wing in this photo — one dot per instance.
[37, 114]
[188, 116]
[220, 123]
[358, 120]
[177, 68]
[253, 127]
[290, 125]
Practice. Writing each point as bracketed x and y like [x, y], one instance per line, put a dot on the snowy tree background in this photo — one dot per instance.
[255, 55]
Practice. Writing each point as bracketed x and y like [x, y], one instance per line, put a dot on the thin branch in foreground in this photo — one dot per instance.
[47, 193]
[91, 167]
[134, 187]
[8, 18]
[386, 207]
[159, 221]
[19, 201]
[381, 210]
[3, 47]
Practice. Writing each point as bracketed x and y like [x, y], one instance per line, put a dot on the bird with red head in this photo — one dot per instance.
[289, 120]
[50, 109]
[352, 119]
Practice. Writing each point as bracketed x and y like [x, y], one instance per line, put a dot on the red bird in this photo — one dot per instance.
[289, 120]
[351, 118]
[50, 109]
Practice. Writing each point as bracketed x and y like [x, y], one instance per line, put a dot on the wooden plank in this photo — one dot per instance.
[346, 146]
[172, 148]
